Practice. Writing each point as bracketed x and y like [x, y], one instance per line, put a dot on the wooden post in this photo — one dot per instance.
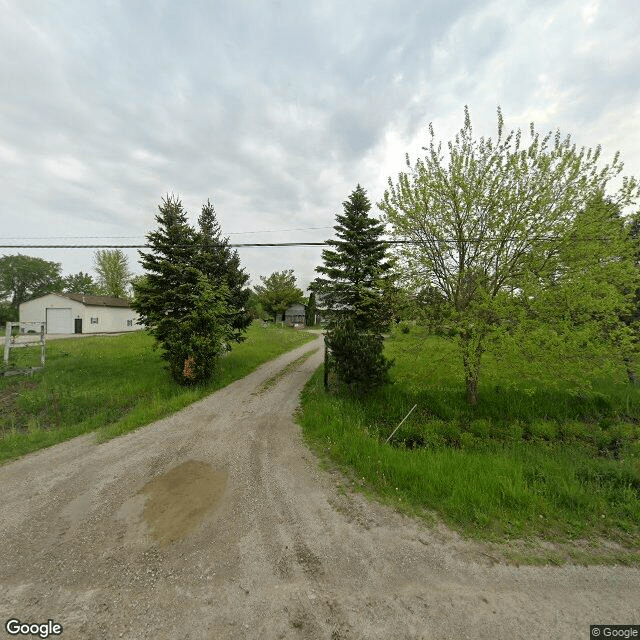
[7, 342]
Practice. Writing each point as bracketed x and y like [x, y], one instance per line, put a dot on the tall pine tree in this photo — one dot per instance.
[311, 311]
[221, 264]
[177, 302]
[357, 269]
[351, 288]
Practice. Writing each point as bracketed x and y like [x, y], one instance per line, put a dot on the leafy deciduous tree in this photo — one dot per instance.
[490, 227]
[81, 283]
[137, 281]
[6, 314]
[278, 291]
[255, 307]
[23, 278]
[112, 267]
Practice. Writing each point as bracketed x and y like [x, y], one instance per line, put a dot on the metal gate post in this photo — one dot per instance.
[7, 342]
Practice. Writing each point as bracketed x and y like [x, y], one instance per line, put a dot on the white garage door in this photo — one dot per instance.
[59, 321]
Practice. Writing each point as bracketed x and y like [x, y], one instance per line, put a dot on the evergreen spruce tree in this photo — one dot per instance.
[354, 276]
[310, 315]
[179, 305]
[221, 265]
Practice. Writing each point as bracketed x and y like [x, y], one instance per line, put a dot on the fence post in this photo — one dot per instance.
[7, 342]
[42, 344]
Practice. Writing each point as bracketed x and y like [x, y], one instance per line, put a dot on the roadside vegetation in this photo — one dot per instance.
[518, 287]
[533, 458]
[521, 246]
[113, 385]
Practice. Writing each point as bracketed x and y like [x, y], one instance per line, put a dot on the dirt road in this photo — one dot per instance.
[218, 523]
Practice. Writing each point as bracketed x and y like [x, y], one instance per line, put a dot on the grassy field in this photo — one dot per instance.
[112, 384]
[529, 461]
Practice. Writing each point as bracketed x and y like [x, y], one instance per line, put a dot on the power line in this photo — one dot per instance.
[238, 233]
[234, 233]
[144, 246]
[309, 244]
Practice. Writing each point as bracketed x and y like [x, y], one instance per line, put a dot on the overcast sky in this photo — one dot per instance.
[275, 110]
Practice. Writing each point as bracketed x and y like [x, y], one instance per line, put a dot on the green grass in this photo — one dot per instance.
[112, 384]
[530, 460]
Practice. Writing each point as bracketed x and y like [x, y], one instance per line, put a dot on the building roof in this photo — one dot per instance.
[96, 301]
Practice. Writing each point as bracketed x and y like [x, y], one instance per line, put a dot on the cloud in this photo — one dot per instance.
[276, 110]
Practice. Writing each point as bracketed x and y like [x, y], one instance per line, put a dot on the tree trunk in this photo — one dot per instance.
[631, 374]
[472, 391]
[472, 348]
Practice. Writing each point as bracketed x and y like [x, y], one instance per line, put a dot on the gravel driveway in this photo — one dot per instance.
[217, 522]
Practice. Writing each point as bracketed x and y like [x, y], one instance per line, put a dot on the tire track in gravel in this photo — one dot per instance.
[282, 554]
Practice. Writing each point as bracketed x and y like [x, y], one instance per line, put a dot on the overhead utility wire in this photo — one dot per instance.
[144, 246]
[233, 233]
[293, 244]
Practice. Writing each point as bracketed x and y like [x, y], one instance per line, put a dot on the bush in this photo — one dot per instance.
[356, 356]
[404, 327]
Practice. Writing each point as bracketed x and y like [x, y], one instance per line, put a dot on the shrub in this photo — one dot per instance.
[404, 327]
[356, 356]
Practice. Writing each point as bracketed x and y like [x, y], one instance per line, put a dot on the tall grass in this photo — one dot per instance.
[529, 459]
[113, 384]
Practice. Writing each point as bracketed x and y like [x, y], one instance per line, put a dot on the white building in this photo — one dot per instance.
[75, 313]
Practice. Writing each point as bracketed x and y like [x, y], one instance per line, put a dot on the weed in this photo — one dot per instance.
[533, 458]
